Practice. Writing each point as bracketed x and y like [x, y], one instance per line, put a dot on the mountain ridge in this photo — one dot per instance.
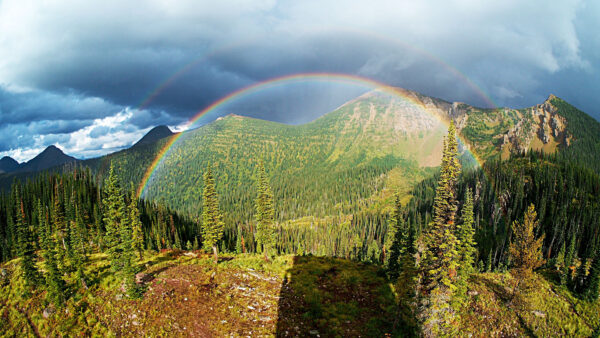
[8, 164]
[154, 135]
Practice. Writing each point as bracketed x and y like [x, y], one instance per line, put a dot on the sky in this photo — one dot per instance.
[92, 77]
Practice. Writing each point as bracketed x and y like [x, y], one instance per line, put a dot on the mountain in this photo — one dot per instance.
[154, 135]
[354, 158]
[50, 157]
[8, 164]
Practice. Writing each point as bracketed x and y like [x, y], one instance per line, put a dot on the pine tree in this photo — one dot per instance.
[212, 219]
[525, 250]
[466, 247]
[136, 225]
[26, 250]
[439, 260]
[265, 214]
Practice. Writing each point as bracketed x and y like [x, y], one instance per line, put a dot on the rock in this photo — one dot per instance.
[472, 293]
[539, 314]
[141, 278]
[250, 307]
[4, 277]
[313, 332]
[118, 296]
[48, 312]
[190, 254]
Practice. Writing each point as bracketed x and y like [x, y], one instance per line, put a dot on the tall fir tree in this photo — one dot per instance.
[466, 233]
[136, 225]
[55, 285]
[118, 237]
[396, 240]
[525, 249]
[212, 219]
[26, 249]
[439, 255]
[265, 214]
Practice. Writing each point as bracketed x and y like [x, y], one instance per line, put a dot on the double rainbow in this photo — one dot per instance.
[278, 81]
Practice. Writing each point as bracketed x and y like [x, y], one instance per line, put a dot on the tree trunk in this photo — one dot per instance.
[140, 254]
[215, 253]
[266, 254]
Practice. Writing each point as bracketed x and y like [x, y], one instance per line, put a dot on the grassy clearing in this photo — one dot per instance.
[186, 294]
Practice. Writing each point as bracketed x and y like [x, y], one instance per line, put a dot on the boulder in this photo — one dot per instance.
[141, 278]
[48, 312]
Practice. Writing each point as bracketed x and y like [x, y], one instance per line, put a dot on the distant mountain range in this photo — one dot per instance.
[389, 142]
[53, 157]
[391, 139]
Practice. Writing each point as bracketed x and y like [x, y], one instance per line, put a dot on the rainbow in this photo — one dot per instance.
[254, 88]
[366, 33]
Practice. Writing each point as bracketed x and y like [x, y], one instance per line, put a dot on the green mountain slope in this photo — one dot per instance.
[354, 156]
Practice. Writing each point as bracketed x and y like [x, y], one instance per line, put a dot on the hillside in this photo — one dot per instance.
[353, 157]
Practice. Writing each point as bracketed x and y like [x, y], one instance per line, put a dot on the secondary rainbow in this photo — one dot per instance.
[294, 78]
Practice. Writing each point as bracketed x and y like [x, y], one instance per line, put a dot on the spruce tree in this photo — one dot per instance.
[466, 247]
[118, 237]
[79, 248]
[136, 225]
[396, 239]
[525, 250]
[55, 285]
[439, 256]
[212, 219]
[26, 250]
[265, 214]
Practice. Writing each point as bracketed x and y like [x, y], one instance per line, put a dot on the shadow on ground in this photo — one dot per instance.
[335, 297]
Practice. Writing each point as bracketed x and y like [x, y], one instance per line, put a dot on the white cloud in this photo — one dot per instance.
[79, 61]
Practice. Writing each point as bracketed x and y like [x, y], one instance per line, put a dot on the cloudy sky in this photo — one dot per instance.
[93, 76]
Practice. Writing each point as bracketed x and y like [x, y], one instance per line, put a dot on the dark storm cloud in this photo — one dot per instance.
[111, 70]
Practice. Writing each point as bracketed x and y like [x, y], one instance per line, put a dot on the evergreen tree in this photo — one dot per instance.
[113, 216]
[26, 250]
[136, 225]
[265, 214]
[466, 247]
[55, 285]
[212, 220]
[560, 264]
[439, 259]
[525, 249]
[593, 282]
[238, 240]
[396, 239]
[118, 236]
[79, 255]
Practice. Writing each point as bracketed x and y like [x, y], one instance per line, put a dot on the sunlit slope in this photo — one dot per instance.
[351, 158]
[340, 159]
